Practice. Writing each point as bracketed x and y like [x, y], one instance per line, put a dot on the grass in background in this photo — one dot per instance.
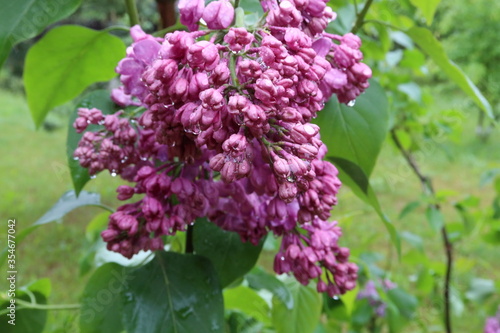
[34, 175]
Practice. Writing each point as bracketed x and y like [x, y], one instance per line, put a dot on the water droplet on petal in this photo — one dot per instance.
[143, 158]
[351, 103]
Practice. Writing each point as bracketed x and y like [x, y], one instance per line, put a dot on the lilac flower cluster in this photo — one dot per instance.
[493, 324]
[370, 293]
[226, 134]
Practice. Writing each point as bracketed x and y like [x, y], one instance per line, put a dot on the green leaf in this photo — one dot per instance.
[435, 218]
[20, 236]
[101, 100]
[247, 301]
[252, 6]
[480, 290]
[27, 320]
[231, 257]
[93, 242]
[24, 19]
[96, 225]
[260, 279]
[66, 61]
[354, 137]
[414, 240]
[406, 303]
[362, 313]
[174, 293]
[68, 202]
[349, 299]
[395, 321]
[353, 176]
[102, 300]
[410, 207]
[304, 316]
[433, 48]
[356, 133]
[427, 7]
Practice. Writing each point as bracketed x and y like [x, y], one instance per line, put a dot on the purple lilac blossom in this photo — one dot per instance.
[370, 293]
[226, 134]
[492, 324]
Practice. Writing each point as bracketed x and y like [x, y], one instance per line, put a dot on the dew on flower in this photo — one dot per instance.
[227, 132]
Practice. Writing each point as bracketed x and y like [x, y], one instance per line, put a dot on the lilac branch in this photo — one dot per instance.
[448, 246]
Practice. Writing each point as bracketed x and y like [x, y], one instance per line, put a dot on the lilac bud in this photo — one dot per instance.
[287, 191]
[198, 83]
[322, 46]
[109, 235]
[80, 124]
[190, 12]
[151, 208]
[218, 14]
[235, 145]
[281, 167]
[125, 192]
[251, 68]
[228, 172]
[217, 162]
[220, 74]
[144, 172]
[203, 55]
[351, 40]
[238, 39]
[296, 39]
[211, 99]
[293, 251]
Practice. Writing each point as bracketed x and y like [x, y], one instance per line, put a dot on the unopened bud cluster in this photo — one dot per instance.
[226, 134]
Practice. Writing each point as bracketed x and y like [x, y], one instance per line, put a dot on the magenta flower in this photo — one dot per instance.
[492, 324]
[227, 132]
[191, 12]
[218, 14]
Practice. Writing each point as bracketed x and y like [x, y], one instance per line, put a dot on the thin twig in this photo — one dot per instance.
[448, 246]
[361, 16]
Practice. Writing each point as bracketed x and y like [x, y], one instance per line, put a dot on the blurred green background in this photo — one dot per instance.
[33, 175]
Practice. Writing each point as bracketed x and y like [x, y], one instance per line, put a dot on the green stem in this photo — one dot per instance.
[236, 3]
[361, 17]
[132, 12]
[232, 68]
[175, 27]
[117, 27]
[388, 25]
[54, 307]
[111, 210]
